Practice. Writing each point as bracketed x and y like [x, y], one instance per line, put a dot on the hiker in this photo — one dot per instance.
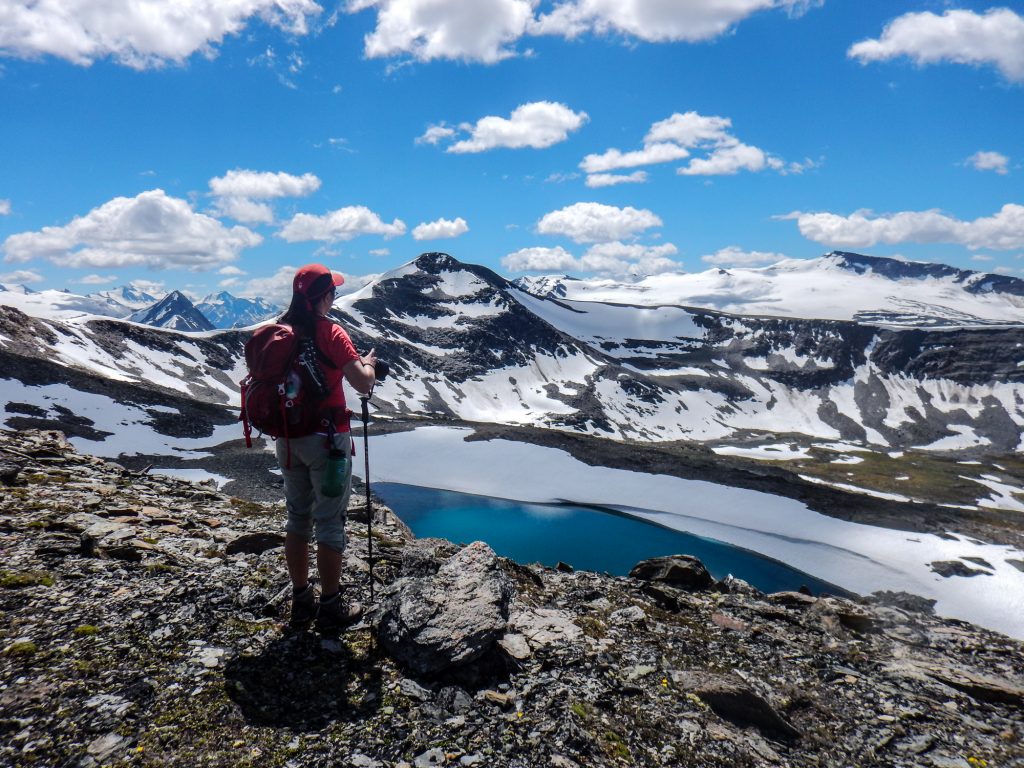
[304, 460]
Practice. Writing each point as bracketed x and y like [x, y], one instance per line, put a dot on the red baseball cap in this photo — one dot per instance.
[314, 280]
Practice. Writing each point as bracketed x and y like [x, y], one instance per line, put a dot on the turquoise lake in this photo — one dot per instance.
[584, 537]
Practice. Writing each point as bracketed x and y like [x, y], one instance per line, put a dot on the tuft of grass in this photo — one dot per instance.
[579, 709]
[23, 648]
[87, 630]
[12, 580]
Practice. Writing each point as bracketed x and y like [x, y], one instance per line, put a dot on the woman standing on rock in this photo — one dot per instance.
[304, 460]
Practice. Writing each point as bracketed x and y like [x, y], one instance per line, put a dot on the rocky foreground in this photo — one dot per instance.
[143, 624]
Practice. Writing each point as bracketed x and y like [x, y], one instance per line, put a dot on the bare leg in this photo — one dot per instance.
[296, 555]
[328, 562]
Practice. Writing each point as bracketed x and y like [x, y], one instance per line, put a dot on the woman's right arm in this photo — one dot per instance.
[360, 373]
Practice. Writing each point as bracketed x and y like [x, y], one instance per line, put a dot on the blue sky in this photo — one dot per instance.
[221, 147]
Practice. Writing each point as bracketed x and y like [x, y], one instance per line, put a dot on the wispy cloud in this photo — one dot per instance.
[989, 161]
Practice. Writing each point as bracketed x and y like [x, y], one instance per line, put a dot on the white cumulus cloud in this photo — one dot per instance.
[244, 210]
[151, 230]
[20, 277]
[238, 193]
[995, 37]
[480, 30]
[1002, 231]
[336, 226]
[537, 125]
[440, 229]
[263, 185]
[539, 260]
[596, 222]
[487, 30]
[612, 259]
[734, 256]
[595, 180]
[5, 207]
[137, 34]
[728, 160]
[656, 20]
[989, 161]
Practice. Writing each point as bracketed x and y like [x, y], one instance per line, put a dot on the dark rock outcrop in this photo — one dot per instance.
[683, 571]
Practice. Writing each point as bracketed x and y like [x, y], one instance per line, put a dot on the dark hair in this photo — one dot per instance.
[300, 316]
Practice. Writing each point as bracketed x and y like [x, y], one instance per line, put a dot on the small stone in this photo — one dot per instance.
[430, 758]
[515, 645]
[469, 760]
[792, 599]
[502, 700]
[414, 690]
[631, 615]
[635, 673]
[364, 761]
[105, 746]
[728, 622]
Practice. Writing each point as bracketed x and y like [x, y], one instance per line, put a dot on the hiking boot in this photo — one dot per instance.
[304, 608]
[336, 615]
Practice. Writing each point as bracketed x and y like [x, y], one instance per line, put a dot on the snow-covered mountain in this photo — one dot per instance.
[60, 304]
[128, 296]
[465, 343]
[173, 311]
[838, 286]
[226, 311]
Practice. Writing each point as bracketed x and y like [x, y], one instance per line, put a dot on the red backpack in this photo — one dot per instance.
[282, 393]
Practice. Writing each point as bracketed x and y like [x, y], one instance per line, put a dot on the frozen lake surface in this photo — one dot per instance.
[857, 557]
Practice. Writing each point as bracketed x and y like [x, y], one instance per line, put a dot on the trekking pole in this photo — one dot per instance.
[365, 402]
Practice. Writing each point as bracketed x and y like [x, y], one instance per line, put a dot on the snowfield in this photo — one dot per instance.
[824, 288]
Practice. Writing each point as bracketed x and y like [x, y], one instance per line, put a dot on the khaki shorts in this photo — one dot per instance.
[309, 510]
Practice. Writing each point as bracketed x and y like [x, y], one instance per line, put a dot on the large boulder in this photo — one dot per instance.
[436, 622]
[682, 571]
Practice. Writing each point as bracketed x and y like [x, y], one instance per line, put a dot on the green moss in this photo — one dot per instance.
[615, 745]
[156, 567]
[86, 630]
[12, 580]
[579, 709]
[36, 524]
[23, 648]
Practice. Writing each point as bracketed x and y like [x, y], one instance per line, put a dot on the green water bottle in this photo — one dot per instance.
[336, 474]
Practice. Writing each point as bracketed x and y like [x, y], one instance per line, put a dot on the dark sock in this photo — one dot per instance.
[297, 592]
[328, 598]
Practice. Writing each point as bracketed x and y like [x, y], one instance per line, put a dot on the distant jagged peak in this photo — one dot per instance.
[175, 311]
